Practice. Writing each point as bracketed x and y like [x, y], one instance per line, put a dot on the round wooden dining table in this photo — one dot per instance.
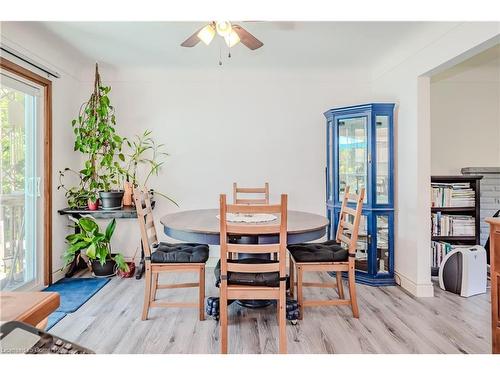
[203, 226]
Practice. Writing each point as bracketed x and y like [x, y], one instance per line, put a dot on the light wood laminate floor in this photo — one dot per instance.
[391, 321]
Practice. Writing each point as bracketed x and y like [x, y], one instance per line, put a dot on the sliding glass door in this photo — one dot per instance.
[21, 258]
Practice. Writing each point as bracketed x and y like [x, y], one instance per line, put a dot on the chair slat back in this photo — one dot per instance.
[227, 228]
[347, 230]
[264, 191]
[145, 217]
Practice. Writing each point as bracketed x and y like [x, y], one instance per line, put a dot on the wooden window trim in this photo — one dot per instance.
[47, 159]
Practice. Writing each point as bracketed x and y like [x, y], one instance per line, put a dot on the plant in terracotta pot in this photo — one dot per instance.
[144, 159]
[93, 201]
[94, 245]
[96, 137]
[76, 196]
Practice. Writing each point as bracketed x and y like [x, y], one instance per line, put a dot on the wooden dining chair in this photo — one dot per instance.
[246, 190]
[165, 257]
[331, 256]
[255, 278]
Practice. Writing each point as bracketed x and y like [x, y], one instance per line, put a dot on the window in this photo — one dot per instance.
[24, 173]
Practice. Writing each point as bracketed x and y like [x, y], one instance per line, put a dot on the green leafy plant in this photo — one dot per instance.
[144, 159]
[76, 196]
[95, 136]
[94, 243]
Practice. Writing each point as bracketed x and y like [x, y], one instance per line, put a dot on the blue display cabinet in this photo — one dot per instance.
[360, 154]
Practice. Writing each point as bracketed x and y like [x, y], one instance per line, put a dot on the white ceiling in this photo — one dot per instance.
[336, 45]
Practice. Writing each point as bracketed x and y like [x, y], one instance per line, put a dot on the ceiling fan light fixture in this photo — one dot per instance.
[223, 28]
[232, 39]
[207, 34]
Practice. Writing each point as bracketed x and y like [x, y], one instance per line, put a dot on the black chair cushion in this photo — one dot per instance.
[329, 251]
[180, 253]
[271, 279]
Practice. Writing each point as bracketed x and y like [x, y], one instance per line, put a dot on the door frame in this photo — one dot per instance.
[46, 84]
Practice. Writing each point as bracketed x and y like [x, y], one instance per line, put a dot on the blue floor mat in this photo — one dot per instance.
[54, 318]
[74, 292]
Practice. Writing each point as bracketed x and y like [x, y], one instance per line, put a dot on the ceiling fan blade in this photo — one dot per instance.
[192, 40]
[246, 38]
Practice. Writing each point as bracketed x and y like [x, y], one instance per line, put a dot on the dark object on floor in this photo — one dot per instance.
[73, 293]
[292, 308]
[34, 341]
[212, 307]
[179, 253]
[328, 251]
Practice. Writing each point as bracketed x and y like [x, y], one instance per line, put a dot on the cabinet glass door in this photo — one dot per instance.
[352, 149]
[330, 173]
[362, 245]
[382, 243]
[382, 159]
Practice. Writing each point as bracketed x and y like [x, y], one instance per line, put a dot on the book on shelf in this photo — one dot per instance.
[439, 250]
[453, 225]
[458, 194]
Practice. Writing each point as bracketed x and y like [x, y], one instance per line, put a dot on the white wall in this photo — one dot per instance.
[225, 125]
[37, 44]
[399, 81]
[465, 118]
[203, 116]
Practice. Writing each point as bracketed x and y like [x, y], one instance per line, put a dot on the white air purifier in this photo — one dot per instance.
[463, 271]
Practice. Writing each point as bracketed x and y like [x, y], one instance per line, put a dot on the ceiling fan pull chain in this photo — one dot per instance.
[220, 55]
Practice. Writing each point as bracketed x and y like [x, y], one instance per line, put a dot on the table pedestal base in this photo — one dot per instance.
[255, 303]
[252, 240]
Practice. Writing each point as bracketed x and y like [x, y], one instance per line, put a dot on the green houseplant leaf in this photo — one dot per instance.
[110, 229]
[93, 242]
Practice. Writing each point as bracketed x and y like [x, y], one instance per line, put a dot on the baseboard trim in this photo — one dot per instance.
[57, 275]
[418, 290]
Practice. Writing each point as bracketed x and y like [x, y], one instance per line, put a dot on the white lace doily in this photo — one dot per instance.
[249, 218]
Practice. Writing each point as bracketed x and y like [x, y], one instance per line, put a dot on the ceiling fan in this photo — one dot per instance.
[232, 34]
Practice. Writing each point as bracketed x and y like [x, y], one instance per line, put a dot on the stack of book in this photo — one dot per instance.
[440, 249]
[453, 225]
[457, 194]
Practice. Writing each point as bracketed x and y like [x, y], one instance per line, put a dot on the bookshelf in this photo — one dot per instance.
[471, 210]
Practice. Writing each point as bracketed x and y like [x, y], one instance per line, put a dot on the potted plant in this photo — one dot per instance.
[95, 136]
[144, 159]
[78, 196]
[96, 247]
[93, 201]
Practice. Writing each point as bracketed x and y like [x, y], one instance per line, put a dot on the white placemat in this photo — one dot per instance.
[249, 218]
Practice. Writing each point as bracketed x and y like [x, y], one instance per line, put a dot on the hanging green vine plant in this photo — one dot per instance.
[95, 136]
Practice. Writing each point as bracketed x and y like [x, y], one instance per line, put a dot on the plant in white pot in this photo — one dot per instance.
[94, 245]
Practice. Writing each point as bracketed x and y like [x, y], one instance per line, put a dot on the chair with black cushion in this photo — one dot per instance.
[331, 256]
[254, 278]
[166, 257]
